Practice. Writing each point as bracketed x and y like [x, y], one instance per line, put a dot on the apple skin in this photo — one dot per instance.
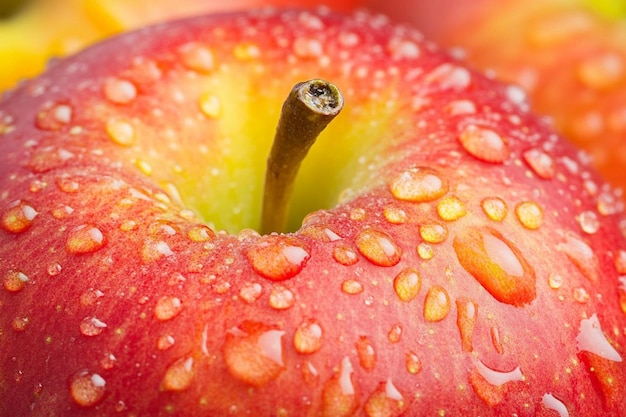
[554, 49]
[469, 268]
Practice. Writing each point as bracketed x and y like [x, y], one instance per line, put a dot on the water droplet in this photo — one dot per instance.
[14, 281]
[413, 363]
[278, 257]
[433, 232]
[437, 304]
[87, 389]
[425, 251]
[553, 403]
[308, 48]
[119, 91]
[589, 222]
[178, 375]
[321, 233]
[394, 215]
[67, 184]
[357, 214]
[167, 308]
[246, 51]
[308, 337]
[400, 49]
[484, 144]
[90, 297]
[53, 116]
[395, 333]
[407, 284]
[378, 247]
[601, 71]
[352, 287]
[54, 269]
[253, 353]
[19, 324]
[18, 216]
[366, 353]
[385, 401]
[153, 250]
[197, 57]
[609, 204]
[488, 384]
[310, 374]
[121, 132]
[91, 326]
[581, 255]
[555, 281]
[201, 233]
[250, 292]
[281, 298]
[580, 295]
[467, 311]
[339, 397]
[460, 107]
[448, 76]
[418, 185]
[210, 105]
[495, 208]
[451, 208]
[591, 339]
[62, 212]
[84, 239]
[529, 214]
[540, 162]
[497, 264]
[345, 256]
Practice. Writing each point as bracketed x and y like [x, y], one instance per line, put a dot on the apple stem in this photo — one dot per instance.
[306, 112]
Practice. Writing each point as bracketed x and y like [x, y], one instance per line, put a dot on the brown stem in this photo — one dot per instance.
[308, 109]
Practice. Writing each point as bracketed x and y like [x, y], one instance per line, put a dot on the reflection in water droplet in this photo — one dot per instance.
[497, 264]
[530, 214]
[425, 251]
[84, 239]
[489, 385]
[433, 232]
[589, 222]
[418, 185]
[119, 91]
[278, 257]
[407, 284]
[394, 215]
[308, 337]
[87, 389]
[467, 311]
[395, 333]
[197, 57]
[14, 281]
[121, 132]
[178, 375]
[451, 209]
[385, 401]
[495, 208]
[352, 287]
[591, 338]
[437, 304]
[18, 216]
[339, 397]
[53, 116]
[250, 292]
[555, 281]
[366, 353]
[580, 295]
[484, 144]
[413, 363]
[581, 255]
[91, 326]
[540, 162]
[449, 76]
[167, 308]
[281, 298]
[496, 340]
[345, 256]
[553, 403]
[54, 269]
[210, 105]
[165, 342]
[378, 247]
[253, 353]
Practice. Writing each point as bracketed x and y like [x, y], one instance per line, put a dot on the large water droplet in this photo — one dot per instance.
[278, 257]
[87, 389]
[451, 208]
[18, 216]
[210, 105]
[308, 337]
[178, 375]
[339, 397]
[497, 264]
[437, 304]
[366, 353]
[418, 185]
[495, 208]
[591, 338]
[529, 214]
[378, 247]
[119, 91]
[467, 311]
[167, 308]
[253, 353]
[385, 401]
[484, 144]
[14, 281]
[84, 239]
[407, 284]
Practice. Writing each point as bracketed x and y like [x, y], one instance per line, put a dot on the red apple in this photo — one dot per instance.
[456, 256]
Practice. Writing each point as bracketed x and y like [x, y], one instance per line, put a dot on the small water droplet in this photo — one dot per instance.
[345, 255]
[278, 257]
[19, 324]
[210, 105]
[609, 204]
[197, 57]
[201, 233]
[253, 353]
[246, 51]
[467, 311]
[395, 333]
[394, 215]
[385, 401]
[529, 214]
[451, 208]
[407, 284]
[121, 132]
[281, 298]
[53, 116]
[84, 239]
[153, 250]
[418, 185]
[497, 264]
[321, 233]
[308, 48]
[620, 262]
[495, 208]
[448, 76]
[555, 281]
[357, 214]
[250, 292]
[165, 342]
[54, 269]
[67, 184]
[167, 308]
[62, 212]
[437, 304]
[366, 353]
[413, 363]
[339, 397]
[589, 222]
[400, 49]
[14, 281]
[378, 247]
[352, 287]
[119, 91]
[91, 326]
[90, 297]
[540, 162]
[580, 295]
[433, 232]
[308, 337]
[459, 107]
[484, 144]
[581, 255]
[18, 216]
[87, 389]
[425, 251]
[179, 375]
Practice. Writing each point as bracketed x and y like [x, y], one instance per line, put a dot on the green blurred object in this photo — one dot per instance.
[9, 8]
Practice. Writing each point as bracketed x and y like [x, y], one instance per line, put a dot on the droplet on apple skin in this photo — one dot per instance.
[451, 208]
[385, 401]
[529, 214]
[540, 162]
[54, 116]
[308, 337]
[378, 247]
[467, 312]
[18, 216]
[339, 394]
[484, 144]
[366, 352]
[437, 304]
[14, 281]
[345, 255]
[167, 308]
[418, 185]
[87, 389]
[84, 239]
[179, 375]
[495, 208]
[119, 91]
[278, 258]
[92, 326]
[407, 284]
